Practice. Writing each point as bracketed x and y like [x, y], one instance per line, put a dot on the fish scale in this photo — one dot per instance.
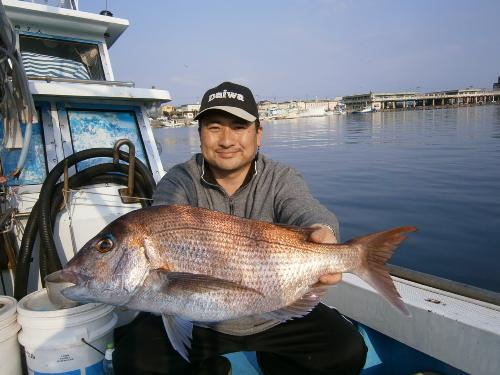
[238, 244]
[279, 265]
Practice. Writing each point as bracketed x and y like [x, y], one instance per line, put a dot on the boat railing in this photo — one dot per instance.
[447, 285]
[67, 4]
[74, 80]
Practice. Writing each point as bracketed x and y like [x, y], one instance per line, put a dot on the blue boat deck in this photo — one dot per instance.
[386, 356]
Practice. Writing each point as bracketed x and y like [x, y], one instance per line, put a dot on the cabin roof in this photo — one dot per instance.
[83, 90]
[71, 21]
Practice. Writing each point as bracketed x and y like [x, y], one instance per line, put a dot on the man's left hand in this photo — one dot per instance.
[323, 234]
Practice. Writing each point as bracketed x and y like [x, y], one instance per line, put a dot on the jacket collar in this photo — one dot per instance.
[208, 178]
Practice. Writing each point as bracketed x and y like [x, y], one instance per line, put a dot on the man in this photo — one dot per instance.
[230, 175]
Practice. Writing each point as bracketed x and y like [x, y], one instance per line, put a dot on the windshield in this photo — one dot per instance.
[60, 58]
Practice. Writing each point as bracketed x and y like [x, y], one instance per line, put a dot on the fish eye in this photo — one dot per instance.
[104, 245]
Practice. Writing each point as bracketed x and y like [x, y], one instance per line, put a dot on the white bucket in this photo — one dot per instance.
[10, 356]
[52, 338]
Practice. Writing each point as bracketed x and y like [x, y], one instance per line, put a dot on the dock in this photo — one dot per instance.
[415, 100]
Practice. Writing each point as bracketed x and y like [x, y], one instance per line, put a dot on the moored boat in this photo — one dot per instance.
[340, 109]
[367, 109]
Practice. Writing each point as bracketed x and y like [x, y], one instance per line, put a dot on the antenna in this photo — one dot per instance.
[106, 12]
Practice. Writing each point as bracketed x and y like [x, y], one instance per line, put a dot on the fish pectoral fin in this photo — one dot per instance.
[185, 282]
[180, 333]
[300, 307]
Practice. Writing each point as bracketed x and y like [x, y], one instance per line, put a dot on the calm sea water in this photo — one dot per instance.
[436, 169]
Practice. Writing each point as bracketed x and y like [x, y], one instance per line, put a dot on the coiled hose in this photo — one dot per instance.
[44, 212]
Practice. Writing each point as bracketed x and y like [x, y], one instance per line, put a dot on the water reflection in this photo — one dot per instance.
[496, 122]
[301, 133]
[178, 144]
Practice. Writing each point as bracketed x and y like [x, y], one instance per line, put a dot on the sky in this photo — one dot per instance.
[305, 49]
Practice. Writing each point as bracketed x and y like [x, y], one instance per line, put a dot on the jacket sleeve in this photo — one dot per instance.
[174, 188]
[295, 205]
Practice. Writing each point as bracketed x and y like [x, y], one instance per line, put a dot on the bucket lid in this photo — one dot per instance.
[8, 324]
[36, 308]
[7, 310]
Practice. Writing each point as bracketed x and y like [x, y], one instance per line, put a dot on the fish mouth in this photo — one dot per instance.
[80, 291]
[73, 277]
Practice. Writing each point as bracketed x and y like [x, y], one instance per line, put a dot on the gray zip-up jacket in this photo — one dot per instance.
[272, 192]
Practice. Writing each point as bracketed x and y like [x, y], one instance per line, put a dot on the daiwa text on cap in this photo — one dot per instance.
[230, 97]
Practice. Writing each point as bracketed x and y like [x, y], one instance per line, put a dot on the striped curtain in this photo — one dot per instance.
[36, 64]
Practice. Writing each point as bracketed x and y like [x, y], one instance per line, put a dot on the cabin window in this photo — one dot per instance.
[60, 58]
[35, 168]
[99, 128]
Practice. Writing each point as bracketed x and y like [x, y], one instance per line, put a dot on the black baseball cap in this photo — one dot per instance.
[230, 97]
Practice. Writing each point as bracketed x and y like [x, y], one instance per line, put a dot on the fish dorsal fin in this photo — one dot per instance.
[180, 333]
[301, 307]
[185, 282]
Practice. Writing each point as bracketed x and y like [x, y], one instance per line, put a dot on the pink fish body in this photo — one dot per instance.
[195, 265]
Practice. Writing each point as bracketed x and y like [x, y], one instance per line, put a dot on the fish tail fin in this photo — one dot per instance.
[376, 249]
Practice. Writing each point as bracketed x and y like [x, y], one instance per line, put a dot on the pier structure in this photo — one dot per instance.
[414, 100]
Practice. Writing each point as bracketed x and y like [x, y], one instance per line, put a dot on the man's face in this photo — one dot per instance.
[228, 143]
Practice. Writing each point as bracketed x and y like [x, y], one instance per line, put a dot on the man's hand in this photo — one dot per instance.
[323, 234]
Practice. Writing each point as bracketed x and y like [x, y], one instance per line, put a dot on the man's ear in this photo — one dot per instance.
[259, 136]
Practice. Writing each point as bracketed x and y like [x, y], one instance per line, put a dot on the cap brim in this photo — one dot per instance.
[238, 112]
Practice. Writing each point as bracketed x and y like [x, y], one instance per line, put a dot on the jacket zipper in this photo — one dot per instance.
[230, 199]
[218, 187]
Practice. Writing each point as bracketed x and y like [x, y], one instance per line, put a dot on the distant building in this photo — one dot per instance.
[373, 100]
[496, 85]
[167, 109]
[414, 100]
[188, 111]
[469, 90]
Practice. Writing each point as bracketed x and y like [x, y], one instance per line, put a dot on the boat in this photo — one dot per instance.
[367, 109]
[309, 112]
[83, 118]
[275, 113]
[291, 111]
[164, 122]
[340, 109]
